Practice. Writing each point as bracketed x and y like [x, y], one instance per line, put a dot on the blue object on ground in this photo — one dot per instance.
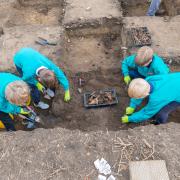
[153, 7]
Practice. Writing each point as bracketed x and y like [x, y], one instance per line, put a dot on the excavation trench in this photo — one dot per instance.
[74, 115]
[139, 8]
[81, 56]
[90, 53]
[24, 12]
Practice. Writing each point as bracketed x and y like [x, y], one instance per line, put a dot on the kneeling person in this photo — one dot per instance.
[163, 98]
[41, 74]
[14, 95]
[143, 64]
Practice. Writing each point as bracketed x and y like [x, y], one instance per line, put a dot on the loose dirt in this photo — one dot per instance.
[69, 154]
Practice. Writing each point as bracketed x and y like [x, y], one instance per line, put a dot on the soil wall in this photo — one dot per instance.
[40, 2]
[173, 7]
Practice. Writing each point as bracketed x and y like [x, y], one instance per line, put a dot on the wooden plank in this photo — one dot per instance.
[148, 170]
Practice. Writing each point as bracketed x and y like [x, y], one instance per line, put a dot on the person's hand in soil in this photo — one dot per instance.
[129, 110]
[125, 119]
[127, 79]
[67, 96]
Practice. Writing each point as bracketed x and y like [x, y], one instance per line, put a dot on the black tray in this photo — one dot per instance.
[87, 94]
[144, 33]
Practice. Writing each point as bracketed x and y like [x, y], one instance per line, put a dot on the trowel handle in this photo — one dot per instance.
[22, 116]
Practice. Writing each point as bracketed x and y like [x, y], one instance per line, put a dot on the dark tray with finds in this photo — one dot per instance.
[100, 98]
[141, 36]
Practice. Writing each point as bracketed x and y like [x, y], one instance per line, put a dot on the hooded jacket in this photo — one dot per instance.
[156, 67]
[29, 60]
[165, 89]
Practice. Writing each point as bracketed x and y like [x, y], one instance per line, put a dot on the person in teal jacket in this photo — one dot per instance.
[163, 92]
[41, 74]
[14, 95]
[143, 64]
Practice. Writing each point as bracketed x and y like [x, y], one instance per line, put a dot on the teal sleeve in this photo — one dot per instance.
[7, 107]
[135, 102]
[160, 67]
[146, 113]
[28, 78]
[127, 63]
[60, 76]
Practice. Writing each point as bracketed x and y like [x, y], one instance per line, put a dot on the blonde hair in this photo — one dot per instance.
[144, 55]
[47, 78]
[139, 88]
[18, 93]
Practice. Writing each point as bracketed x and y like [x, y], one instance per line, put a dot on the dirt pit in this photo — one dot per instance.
[86, 54]
[34, 14]
[140, 8]
[74, 115]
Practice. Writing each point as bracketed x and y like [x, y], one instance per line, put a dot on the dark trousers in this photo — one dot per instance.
[35, 94]
[7, 121]
[135, 74]
[162, 116]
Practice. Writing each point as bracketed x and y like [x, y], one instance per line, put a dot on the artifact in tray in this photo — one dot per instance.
[101, 97]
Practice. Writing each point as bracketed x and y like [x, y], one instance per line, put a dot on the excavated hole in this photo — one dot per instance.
[75, 116]
[139, 8]
[84, 54]
[96, 59]
[97, 62]
[34, 14]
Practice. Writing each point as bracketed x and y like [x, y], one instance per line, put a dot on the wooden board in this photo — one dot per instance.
[148, 170]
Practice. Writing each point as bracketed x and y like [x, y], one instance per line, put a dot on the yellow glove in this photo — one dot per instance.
[40, 87]
[67, 96]
[129, 110]
[24, 111]
[11, 115]
[125, 119]
[127, 79]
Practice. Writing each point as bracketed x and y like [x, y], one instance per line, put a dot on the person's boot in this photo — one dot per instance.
[50, 93]
[42, 105]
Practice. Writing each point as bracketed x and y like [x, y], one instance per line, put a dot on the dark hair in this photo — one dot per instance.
[48, 78]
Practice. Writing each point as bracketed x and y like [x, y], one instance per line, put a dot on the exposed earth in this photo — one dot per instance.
[90, 36]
